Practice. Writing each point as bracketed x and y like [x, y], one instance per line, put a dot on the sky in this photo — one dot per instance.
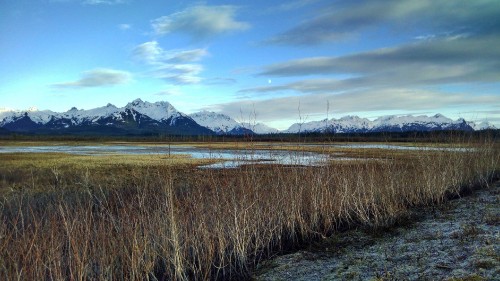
[277, 62]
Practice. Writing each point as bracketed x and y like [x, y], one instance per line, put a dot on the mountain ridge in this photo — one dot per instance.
[390, 123]
[137, 117]
[142, 117]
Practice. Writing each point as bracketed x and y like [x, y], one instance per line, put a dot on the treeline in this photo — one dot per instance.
[432, 136]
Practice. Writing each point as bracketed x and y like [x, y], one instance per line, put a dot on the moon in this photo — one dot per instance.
[269, 81]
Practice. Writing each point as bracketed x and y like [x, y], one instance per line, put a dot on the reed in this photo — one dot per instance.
[162, 223]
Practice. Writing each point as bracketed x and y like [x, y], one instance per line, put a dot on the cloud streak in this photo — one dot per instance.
[399, 78]
[449, 52]
[124, 26]
[365, 100]
[343, 19]
[174, 66]
[219, 81]
[179, 73]
[435, 62]
[200, 22]
[98, 77]
[152, 53]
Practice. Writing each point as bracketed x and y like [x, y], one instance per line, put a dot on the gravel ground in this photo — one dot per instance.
[458, 240]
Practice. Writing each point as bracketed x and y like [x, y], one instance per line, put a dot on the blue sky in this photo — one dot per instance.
[273, 61]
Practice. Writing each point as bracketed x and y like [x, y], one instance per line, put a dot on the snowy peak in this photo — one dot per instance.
[346, 124]
[141, 116]
[485, 126]
[260, 128]
[213, 116]
[391, 123]
[223, 124]
[32, 113]
[482, 126]
[351, 118]
[159, 111]
[410, 119]
[217, 122]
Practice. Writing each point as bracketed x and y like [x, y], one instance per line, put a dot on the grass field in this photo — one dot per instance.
[160, 218]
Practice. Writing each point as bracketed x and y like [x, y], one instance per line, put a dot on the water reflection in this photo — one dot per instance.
[233, 157]
[229, 158]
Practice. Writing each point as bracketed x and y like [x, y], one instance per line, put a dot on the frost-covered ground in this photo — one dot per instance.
[458, 240]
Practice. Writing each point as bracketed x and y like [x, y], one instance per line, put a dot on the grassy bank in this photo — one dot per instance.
[163, 222]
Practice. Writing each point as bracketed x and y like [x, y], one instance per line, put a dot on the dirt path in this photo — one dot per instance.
[458, 240]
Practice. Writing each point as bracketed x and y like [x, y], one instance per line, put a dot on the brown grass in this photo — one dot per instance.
[161, 222]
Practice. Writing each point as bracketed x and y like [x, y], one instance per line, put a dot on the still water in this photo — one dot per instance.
[230, 158]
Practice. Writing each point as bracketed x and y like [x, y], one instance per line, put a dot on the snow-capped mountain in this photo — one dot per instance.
[419, 123]
[354, 124]
[347, 124]
[137, 117]
[259, 128]
[140, 117]
[482, 126]
[223, 124]
[219, 123]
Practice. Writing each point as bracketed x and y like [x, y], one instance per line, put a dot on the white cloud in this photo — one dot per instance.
[365, 100]
[97, 78]
[124, 26]
[169, 92]
[152, 53]
[174, 66]
[200, 22]
[148, 52]
[179, 73]
[340, 19]
[445, 61]
[402, 78]
[187, 55]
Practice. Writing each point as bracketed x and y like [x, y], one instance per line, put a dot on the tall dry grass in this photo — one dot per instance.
[214, 224]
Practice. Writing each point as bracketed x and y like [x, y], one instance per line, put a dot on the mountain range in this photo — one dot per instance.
[141, 118]
[137, 117]
[355, 124]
